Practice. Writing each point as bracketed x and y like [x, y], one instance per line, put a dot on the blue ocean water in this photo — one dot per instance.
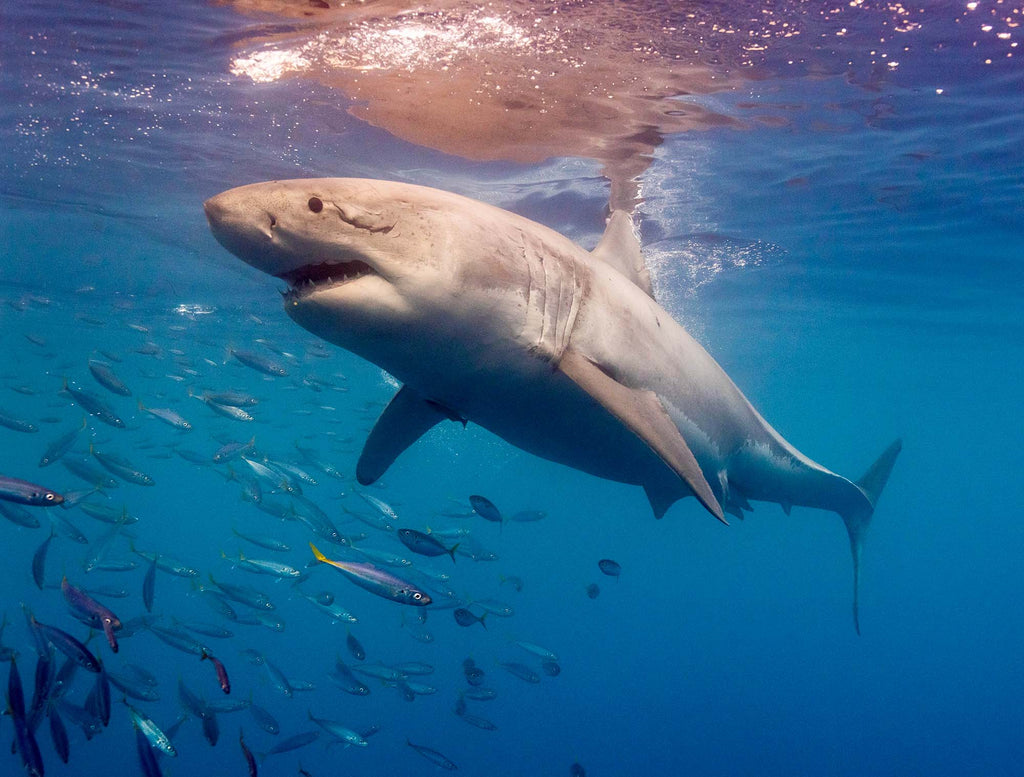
[845, 241]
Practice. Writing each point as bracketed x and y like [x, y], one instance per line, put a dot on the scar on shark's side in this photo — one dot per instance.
[491, 318]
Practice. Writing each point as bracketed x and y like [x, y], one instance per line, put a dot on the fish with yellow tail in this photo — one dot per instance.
[377, 581]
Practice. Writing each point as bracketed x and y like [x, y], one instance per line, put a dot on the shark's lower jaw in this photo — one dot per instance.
[317, 277]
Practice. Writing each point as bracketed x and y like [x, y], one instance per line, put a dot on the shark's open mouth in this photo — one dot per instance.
[317, 276]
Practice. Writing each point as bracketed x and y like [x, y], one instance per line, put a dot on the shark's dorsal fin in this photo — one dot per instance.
[642, 413]
[620, 248]
[407, 417]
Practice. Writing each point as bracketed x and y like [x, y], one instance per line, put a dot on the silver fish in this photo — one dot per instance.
[377, 581]
[168, 416]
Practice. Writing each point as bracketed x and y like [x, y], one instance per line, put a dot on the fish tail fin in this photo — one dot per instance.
[483, 620]
[858, 518]
[316, 552]
[452, 549]
[203, 655]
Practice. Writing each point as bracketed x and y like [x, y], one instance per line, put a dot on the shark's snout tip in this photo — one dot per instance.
[214, 209]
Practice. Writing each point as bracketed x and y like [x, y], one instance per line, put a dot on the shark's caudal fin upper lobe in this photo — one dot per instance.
[858, 518]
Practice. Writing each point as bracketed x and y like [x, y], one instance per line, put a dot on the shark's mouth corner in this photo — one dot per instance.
[312, 277]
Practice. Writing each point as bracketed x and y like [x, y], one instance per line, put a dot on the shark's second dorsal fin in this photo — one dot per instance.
[642, 413]
[407, 417]
[620, 248]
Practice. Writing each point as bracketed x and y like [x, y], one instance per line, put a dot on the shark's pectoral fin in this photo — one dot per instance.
[406, 418]
[643, 414]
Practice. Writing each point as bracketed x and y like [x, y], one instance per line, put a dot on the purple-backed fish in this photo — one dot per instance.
[24, 740]
[250, 759]
[222, 673]
[23, 492]
[377, 581]
[66, 644]
[91, 611]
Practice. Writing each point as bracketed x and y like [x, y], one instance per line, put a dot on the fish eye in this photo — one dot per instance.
[48, 497]
[417, 596]
[315, 204]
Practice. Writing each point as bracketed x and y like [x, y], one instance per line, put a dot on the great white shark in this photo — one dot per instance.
[486, 316]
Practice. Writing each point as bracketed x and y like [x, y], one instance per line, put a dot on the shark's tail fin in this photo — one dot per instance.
[858, 519]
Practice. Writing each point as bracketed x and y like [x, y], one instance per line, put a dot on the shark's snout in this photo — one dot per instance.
[223, 213]
[219, 215]
[243, 229]
[283, 237]
[214, 209]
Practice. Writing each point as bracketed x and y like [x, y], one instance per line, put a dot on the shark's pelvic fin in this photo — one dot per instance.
[407, 417]
[661, 498]
[642, 413]
[858, 519]
[620, 247]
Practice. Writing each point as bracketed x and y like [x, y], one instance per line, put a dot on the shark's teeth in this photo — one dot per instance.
[308, 277]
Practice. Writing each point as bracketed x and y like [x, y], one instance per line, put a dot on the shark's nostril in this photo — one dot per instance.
[273, 221]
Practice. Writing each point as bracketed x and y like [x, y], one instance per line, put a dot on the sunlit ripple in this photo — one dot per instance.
[431, 40]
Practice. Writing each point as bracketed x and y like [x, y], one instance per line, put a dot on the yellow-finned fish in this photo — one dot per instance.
[377, 581]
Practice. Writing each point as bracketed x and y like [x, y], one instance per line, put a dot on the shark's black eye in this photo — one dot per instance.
[316, 204]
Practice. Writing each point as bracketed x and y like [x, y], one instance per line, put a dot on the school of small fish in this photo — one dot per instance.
[101, 425]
